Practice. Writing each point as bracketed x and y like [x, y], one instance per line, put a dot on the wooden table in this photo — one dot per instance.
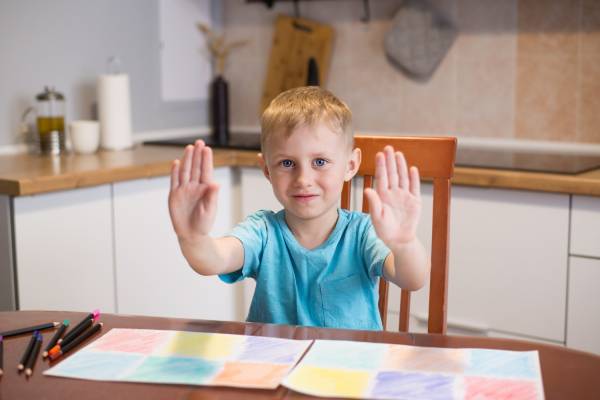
[567, 374]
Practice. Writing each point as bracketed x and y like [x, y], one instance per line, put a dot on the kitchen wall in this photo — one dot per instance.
[526, 69]
[66, 44]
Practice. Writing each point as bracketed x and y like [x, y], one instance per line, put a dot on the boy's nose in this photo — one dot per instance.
[303, 177]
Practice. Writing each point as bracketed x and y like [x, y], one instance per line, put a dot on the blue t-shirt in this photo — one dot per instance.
[333, 285]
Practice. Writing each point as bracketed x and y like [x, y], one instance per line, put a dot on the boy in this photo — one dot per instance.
[314, 264]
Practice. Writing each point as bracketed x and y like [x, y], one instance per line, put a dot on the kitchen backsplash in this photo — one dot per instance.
[526, 69]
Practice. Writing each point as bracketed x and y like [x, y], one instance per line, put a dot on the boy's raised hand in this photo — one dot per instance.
[395, 203]
[193, 194]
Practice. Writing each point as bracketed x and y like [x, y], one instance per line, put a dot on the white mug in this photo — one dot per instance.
[85, 136]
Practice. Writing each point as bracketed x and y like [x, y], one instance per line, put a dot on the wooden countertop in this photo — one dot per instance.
[25, 174]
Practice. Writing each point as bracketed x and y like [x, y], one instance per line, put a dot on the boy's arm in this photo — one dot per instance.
[213, 256]
[395, 206]
[407, 266]
[193, 207]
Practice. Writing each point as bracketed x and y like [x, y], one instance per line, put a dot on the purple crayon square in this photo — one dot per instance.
[273, 350]
[410, 385]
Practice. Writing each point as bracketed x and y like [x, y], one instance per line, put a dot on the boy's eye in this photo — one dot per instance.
[320, 162]
[287, 163]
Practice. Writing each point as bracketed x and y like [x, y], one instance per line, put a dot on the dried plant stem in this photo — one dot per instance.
[218, 48]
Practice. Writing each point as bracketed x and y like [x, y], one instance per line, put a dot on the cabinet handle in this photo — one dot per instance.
[456, 324]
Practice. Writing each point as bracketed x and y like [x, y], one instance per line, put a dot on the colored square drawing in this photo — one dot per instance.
[500, 389]
[98, 366]
[386, 371]
[412, 358]
[205, 345]
[330, 382]
[193, 358]
[407, 385]
[143, 341]
[251, 375]
[273, 350]
[159, 369]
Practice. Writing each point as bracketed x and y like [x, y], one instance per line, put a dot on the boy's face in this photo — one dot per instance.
[307, 170]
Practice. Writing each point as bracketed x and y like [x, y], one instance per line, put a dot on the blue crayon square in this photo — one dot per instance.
[502, 364]
[410, 385]
[347, 355]
[183, 370]
[96, 365]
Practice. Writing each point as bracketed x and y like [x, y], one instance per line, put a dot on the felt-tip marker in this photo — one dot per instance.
[56, 337]
[1, 355]
[80, 327]
[28, 329]
[25, 356]
[59, 350]
[33, 356]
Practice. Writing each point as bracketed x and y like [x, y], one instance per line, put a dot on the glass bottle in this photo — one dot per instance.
[51, 121]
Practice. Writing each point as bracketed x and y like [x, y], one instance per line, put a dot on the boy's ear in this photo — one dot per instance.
[263, 166]
[353, 164]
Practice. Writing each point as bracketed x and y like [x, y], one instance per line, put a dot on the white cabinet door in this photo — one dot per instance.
[583, 316]
[63, 250]
[508, 262]
[257, 193]
[585, 226]
[153, 277]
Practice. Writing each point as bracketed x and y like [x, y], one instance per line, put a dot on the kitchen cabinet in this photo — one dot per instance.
[585, 226]
[583, 314]
[112, 247]
[63, 250]
[8, 295]
[152, 276]
[508, 263]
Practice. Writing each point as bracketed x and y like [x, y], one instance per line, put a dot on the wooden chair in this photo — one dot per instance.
[434, 156]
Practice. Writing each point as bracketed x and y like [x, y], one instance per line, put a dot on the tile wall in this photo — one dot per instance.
[525, 69]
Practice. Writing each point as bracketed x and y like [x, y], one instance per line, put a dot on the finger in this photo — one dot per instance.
[175, 175]
[381, 178]
[415, 181]
[211, 196]
[402, 170]
[374, 203]
[392, 169]
[207, 165]
[197, 161]
[186, 165]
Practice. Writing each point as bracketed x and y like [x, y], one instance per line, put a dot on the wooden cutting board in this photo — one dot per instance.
[295, 41]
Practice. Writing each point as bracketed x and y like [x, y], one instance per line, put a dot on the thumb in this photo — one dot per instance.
[374, 203]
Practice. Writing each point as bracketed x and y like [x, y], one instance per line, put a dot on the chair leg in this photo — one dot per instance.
[404, 311]
[383, 301]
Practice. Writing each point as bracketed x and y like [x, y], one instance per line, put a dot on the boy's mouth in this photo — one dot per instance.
[304, 197]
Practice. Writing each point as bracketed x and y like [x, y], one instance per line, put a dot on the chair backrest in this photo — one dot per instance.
[434, 156]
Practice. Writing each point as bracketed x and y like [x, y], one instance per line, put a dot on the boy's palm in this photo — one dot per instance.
[395, 204]
[193, 194]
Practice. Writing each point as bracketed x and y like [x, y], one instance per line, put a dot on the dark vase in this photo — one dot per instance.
[219, 97]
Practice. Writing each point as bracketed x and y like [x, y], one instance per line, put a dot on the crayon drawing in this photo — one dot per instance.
[385, 371]
[194, 358]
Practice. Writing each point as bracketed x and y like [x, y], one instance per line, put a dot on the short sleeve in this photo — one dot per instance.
[374, 251]
[252, 232]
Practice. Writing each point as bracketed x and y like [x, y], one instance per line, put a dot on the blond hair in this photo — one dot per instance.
[302, 106]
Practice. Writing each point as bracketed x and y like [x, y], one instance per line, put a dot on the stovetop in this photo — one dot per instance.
[482, 157]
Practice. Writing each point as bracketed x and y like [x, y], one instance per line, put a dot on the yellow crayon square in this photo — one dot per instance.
[211, 346]
[329, 382]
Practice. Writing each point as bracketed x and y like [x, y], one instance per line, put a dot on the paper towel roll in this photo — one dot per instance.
[114, 111]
